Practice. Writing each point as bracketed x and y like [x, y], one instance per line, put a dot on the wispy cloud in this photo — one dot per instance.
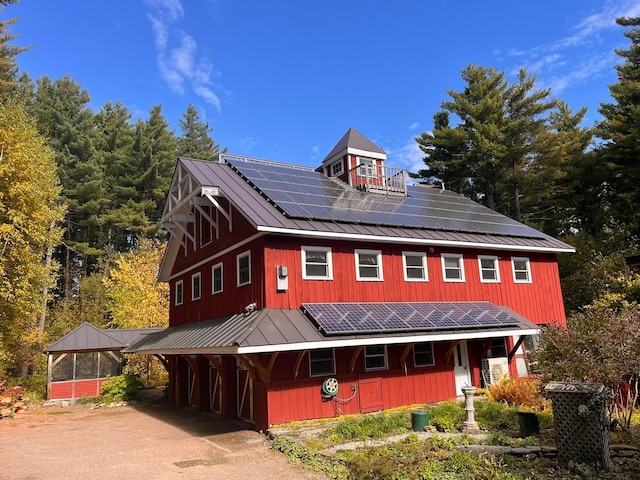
[578, 56]
[177, 53]
[408, 156]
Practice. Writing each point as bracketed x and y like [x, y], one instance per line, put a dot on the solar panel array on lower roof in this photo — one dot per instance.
[306, 194]
[349, 318]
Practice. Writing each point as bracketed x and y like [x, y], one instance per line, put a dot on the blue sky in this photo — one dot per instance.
[284, 80]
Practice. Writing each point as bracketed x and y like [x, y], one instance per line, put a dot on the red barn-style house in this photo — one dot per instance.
[300, 293]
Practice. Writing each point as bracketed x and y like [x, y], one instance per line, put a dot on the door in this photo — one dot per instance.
[461, 367]
[244, 394]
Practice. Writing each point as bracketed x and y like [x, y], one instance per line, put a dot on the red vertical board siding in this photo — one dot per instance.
[539, 301]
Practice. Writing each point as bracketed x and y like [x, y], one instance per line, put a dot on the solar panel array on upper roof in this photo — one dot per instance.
[307, 194]
[349, 318]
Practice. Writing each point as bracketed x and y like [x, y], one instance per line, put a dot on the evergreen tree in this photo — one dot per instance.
[8, 52]
[196, 141]
[620, 129]
[155, 150]
[486, 156]
[63, 116]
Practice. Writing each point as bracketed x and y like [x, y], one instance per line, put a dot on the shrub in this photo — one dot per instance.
[447, 416]
[492, 415]
[368, 426]
[518, 391]
[122, 387]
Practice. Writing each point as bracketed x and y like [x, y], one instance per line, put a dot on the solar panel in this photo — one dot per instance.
[306, 194]
[350, 318]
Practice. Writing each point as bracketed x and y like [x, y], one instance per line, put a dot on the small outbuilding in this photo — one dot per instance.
[81, 361]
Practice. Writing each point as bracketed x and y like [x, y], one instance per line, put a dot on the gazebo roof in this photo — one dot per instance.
[90, 338]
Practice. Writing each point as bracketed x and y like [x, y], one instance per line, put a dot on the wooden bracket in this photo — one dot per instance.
[354, 358]
[450, 350]
[296, 366]
[216, 363]
[405, 354]
[163, 361]
[515, 347]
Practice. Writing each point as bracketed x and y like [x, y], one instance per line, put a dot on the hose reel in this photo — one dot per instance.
[330, 387]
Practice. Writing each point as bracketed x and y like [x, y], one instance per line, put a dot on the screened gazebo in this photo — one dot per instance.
[81, 361]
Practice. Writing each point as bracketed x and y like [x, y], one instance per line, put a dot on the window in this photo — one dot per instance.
[179, 292]
[367, 167]
[195, 286]
[415, 266]
[423, 354]
[489, 272]
[216, 278]
[368, 265]
[498, 348]
[521, 270]
[336, 168]
[452, 267]
[243, 267]
[316, 263]
[375, 357]
[322, 362]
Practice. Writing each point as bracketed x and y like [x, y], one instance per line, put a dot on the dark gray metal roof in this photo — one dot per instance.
[355, 140]
[265, 216]
[272, 330]
[87, 337]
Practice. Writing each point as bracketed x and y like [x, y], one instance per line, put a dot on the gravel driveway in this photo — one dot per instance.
[139, 441]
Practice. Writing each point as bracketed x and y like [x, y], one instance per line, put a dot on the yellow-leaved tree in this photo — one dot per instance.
[134, 296]
[30, 212]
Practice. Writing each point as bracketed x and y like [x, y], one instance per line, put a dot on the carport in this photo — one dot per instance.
[81, 361]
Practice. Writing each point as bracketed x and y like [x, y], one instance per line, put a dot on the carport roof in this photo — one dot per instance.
[90, 338]
[277, 330]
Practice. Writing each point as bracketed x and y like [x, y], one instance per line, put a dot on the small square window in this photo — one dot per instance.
[316, 263]
[489, 271]
[521, 270]
[216, 278]
[179, 292]
[423, 355]
[195, 286]
[452, 267]
[415, 266]
[498, 348]
[375, 357]
[336, 168]
[243, 264]
[322, 362]
[368, 265]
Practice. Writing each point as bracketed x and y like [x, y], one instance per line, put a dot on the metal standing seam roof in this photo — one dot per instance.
[354, 139]
[272, 330]
[87, 337]
[266, 217]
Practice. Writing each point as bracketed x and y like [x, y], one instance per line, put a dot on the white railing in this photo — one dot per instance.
[379, 179]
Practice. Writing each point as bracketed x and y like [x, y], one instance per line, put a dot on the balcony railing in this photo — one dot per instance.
[379, 179]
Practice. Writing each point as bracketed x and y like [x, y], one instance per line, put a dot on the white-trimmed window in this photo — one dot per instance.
[179, 292]
[489, 271]
[216, 278]
[316, 263]
[375, 357]
[368, 265]
[521, 269]
[452, 267]
[243, 268]
[367, 167]
[423, 354]
[322, 362]
[196, 283]
[336, 168]
[415, 266]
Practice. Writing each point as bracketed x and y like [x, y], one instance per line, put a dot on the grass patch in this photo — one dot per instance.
[367, 427]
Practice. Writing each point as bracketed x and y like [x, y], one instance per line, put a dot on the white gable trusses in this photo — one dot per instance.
[185, 196]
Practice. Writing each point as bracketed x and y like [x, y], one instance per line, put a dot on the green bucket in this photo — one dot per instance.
[419, 420]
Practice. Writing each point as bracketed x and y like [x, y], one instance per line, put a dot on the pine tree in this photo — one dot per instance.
[8, 52]
[196, 141]
[620, 129]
